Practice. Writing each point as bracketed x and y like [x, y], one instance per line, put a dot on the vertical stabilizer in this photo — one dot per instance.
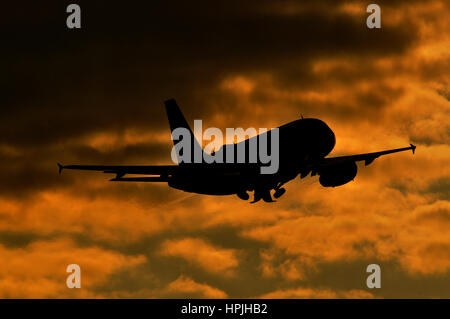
[177, 120]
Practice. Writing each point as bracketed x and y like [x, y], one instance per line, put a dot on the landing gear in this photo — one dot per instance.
[243, 195]
[257, 197]
[263, 194]
[267, 197]
[279, 192]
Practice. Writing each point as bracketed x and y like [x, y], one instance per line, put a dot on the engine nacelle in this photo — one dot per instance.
[338, 175]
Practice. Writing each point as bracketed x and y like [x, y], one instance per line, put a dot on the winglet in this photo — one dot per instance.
[413, 148]
[60, 167]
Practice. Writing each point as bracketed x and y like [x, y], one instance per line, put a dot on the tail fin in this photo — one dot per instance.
[177, 120]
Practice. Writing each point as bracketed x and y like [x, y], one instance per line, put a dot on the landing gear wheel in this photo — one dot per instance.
[279, 192]
[257, 197]
[243, 195]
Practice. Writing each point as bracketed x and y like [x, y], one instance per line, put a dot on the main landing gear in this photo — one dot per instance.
[279, 192]
[263, 194]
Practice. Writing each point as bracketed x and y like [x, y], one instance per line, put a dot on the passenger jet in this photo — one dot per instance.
[303, 147]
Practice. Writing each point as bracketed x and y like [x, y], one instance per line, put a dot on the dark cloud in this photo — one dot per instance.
[34, 168]
[116, 71]
[440, 187]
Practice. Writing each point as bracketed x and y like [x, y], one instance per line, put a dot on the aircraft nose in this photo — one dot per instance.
[327, 137]
[320, 138]
[331, 140]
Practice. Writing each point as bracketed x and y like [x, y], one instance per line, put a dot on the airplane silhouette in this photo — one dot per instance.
[303, 147]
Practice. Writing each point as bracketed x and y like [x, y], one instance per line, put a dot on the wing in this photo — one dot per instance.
[367, 158]
[161, 172]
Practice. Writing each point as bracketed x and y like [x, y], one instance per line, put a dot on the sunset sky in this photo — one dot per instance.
[95, 96]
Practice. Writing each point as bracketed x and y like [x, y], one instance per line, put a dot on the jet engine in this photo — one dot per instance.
[338, 174]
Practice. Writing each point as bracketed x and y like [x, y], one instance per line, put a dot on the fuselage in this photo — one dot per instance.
[300, 142]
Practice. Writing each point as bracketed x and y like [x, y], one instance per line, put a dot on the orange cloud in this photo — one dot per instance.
[188, 287]
[308, 293]
[39, 270]
[197, 251]
[101, 218]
